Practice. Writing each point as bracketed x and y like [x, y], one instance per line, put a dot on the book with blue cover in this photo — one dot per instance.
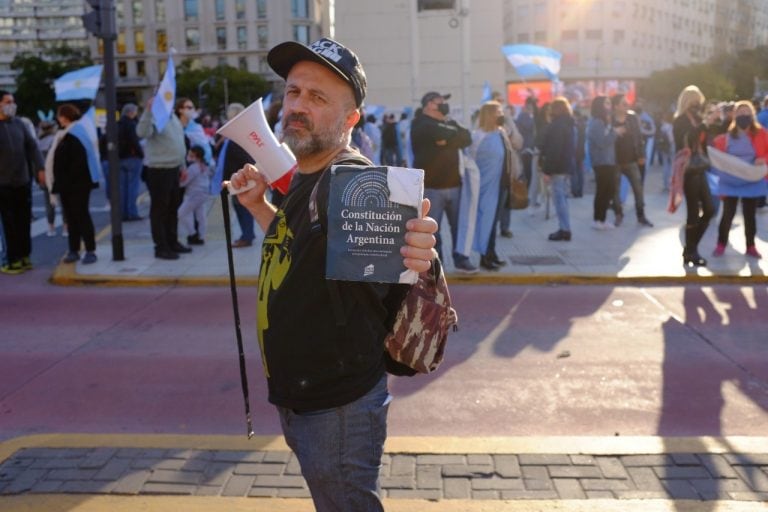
[368, 208]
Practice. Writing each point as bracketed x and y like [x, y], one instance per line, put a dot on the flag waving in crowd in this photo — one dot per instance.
[84, 129]
[162, 106]
[79, 84]
[529, 60]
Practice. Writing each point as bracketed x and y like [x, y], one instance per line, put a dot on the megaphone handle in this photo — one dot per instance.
[234, 191]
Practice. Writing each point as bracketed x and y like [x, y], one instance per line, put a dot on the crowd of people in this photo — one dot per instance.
[552, 146]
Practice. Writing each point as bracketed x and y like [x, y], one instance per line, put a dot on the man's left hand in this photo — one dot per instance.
[419, 250]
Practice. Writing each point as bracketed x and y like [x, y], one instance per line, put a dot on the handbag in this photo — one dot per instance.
[518, 194]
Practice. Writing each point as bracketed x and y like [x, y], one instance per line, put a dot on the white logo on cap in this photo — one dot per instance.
[327, 49]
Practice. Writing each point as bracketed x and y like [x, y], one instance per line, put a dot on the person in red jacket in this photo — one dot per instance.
[747, 140]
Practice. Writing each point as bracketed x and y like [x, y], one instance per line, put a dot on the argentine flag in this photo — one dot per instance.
[529, 60]
[84, 129]
[487, 93]
[162, 105]
[81, 84]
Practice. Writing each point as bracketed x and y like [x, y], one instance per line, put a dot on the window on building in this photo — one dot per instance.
[221, 10]
[122, 68]
[160, 11]
[523, 38]
[594, 34]
[242, 38]
[569, 35]
[433, 5]
[240, 9]
[141, 68]
[522, 12]
[540, 36]
[300, 8]
[221, 61]
[221, 38]
[137, 7]
[618, 36]
[301, 33]
[242, 63]
[119, 13]
[261, 9]
[191, 11]
[121, 42]
[162, 41]
[162, 65]
[192, 36]
[138, 41]
[539, 8]
[262, 34]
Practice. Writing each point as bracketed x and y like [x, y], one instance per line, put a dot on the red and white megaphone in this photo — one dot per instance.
[250, 131]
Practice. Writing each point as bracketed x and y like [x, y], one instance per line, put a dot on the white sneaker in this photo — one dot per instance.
[597, 225]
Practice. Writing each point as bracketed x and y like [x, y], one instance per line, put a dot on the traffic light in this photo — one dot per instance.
[101, 20]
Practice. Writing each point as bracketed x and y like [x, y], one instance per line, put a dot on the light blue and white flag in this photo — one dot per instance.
[84, 129]
[81, 84]
[487, 93]
[529, 60]
[162, 105]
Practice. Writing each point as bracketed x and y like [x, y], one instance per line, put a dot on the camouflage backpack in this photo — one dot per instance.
[416, 342]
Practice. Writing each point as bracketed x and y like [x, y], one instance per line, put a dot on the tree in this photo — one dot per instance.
[205, 86]
[663, 87]
[34, 83]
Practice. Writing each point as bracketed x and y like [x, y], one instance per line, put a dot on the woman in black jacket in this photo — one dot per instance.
[558, 153]
[72, 181]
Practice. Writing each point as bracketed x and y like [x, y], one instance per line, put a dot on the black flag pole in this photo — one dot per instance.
[236, 309]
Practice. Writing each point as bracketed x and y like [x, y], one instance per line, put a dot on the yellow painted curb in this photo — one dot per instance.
[573, 445]
[101, 503]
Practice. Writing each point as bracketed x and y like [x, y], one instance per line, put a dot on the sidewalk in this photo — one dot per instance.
[82, 473]
[628, 254]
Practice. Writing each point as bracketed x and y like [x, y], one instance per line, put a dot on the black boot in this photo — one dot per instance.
[487, 263]
[691, 256]
[494, 258]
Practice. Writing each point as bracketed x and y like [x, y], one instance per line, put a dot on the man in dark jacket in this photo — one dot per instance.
[436, 142]
[20, 160]
[630, 153]
[322, 342]
[131, 156]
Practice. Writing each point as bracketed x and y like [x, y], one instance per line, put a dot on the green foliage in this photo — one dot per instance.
[205, 86]
[34, 84]
[723, 77]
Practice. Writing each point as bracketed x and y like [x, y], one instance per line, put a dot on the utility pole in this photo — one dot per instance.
[101, 23]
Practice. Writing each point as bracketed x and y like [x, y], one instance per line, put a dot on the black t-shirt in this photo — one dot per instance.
[312, 363]
[626, 149]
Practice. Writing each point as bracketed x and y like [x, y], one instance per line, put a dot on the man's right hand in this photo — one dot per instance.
[254, 197]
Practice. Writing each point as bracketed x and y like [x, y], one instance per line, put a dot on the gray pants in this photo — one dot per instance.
[632, 172]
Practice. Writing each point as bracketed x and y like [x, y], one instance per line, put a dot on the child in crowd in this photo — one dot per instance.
[197, 181]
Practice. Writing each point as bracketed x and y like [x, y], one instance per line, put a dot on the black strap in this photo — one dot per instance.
[236, 309]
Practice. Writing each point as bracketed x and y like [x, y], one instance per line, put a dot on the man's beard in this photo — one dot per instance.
[312, 141]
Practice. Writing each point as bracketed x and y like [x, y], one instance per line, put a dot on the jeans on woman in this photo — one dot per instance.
[444, 200]
[340, 449]
[560, 198]
[748, 210]
[698, 203]
[605, 181]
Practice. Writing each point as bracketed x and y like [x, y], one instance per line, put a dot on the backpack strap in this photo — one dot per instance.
[317, 227]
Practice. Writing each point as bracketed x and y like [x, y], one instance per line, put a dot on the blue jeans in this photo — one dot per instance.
[339, 451]
[244, 219]
[444, 200]
[130, 177]
[560, 198]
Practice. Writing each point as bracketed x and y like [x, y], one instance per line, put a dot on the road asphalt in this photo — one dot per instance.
[120, 472]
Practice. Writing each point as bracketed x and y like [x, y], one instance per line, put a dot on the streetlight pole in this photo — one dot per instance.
[466, 68]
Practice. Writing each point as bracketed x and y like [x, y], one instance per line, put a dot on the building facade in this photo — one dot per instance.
[35, 26]
[410, 47]
[207, 33]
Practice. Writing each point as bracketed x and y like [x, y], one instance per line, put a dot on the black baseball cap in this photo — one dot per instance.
[431, 95]
[331, 54]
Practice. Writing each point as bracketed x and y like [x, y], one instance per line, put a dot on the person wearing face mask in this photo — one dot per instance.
[194, 134]
[490, 149]
[748, 141]
[690, 133]
[19, 158]
[436, 141]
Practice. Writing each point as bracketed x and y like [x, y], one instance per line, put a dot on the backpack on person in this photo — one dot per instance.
[416, 340]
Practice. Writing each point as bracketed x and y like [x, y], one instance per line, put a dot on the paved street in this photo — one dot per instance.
[612, 396]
